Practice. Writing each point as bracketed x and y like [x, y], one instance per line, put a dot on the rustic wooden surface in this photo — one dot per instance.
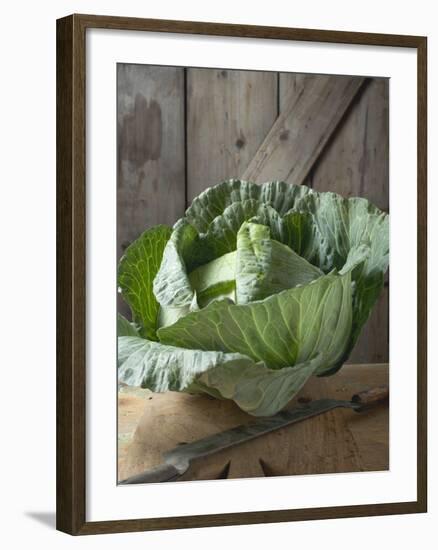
[302, 129]
[337, 441]
[182, 130]
[229, 113]
[355, 162]
[150, 150]
[293, 85]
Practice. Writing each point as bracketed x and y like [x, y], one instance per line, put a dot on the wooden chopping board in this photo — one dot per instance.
[337, 441]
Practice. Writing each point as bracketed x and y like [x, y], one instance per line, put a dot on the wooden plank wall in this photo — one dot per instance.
[307, 118]
[183, 130]
[229, 113]
[150, 151]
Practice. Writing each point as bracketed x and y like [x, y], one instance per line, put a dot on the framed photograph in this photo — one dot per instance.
[232, 347]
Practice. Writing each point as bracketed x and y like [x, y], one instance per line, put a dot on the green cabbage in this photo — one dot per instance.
[254, 290]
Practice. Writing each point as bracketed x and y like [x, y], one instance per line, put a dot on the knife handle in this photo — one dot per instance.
[366, 398]
[163, 472]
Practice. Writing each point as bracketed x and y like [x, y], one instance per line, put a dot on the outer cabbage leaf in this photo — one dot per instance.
[167, 315]
[213, 201]
[356, 259]
[368, 279]
[125, 328]
[136, 272]
[346, 225]
[171, 284]
[285, 329]
[255, 388]
[161, 368]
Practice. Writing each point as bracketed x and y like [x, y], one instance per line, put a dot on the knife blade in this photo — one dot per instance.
[176, 462]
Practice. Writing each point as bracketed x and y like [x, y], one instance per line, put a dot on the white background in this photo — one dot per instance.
[28, 278]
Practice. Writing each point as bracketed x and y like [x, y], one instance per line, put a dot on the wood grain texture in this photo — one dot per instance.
[229, 113]
[292, 85]
[70, 276]
[337, 441]
[150, 147]
[355, 162]
[150, 151]
[303, 128]
[64, 165]
[131, 403]
[248, 31]
[422, 460]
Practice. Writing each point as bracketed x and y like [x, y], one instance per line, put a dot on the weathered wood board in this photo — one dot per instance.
[338, 441]
[308, 118]
[229, 113]
[150, 150]
[355, 162]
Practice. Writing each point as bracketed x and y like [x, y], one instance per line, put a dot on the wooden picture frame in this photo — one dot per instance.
[71, 273]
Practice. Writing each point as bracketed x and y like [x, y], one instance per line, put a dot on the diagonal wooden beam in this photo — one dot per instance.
[303, 128]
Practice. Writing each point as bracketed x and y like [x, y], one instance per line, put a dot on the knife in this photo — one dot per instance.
[176, 462]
